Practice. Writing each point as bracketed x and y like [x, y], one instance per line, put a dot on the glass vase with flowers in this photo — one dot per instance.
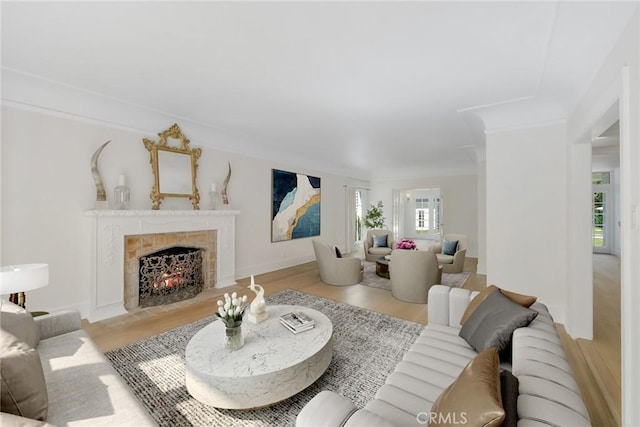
[230, 311]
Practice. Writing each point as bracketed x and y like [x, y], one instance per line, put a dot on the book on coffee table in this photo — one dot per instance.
[297, 322]
[297, 331]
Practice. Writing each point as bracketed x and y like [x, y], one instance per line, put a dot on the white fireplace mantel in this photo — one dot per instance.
[110, 228]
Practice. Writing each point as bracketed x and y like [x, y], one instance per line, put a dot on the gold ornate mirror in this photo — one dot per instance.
[174, 168]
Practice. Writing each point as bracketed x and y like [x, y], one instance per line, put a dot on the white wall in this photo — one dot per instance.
[551, 165]
[482, 215]
[460, 204]
[618, 80]
[526, 183]
[47, 185]
[579, 322]
[617, 218]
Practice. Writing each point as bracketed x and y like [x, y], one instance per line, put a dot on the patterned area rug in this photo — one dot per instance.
[367, 346]
[369, 278]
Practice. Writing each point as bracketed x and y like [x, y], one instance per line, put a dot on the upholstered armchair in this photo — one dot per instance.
[336, 271]
[373, 252]
[453, 261]
[412, 274]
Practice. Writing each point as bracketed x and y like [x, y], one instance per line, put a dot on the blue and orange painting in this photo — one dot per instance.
[295, 211]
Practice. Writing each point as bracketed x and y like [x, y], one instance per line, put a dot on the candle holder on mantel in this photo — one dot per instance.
[121, 194]
[215, 199]
[258, 307]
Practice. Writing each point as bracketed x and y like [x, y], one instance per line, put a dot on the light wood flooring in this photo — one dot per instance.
[143, 323]
[602, 354]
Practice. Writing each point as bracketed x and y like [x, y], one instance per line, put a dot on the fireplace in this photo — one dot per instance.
[150, 256]
[121, 237]
[170, 275]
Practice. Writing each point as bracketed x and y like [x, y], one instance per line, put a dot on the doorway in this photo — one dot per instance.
[603, 353]
[418, 214]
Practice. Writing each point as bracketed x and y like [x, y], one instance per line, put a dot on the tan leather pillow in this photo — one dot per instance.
[474, 398]
[23, 390]
[18, 322]
[524, 300]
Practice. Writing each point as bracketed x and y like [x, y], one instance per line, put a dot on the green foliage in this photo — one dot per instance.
[373, 218]
[598, 209]
[358, 230]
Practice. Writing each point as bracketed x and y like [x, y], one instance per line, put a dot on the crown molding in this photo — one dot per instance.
[529, 125]
[439, 173]
[158, 213]
[35, 93]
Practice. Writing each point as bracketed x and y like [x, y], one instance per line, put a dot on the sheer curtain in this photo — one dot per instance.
[397, 225]
[350, 212]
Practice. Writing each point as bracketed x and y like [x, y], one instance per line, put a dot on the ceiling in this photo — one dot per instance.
[610, 137]
[605, 149]
[367, 89]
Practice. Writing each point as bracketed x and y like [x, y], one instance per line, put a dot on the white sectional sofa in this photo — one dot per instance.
[548, 393]
[82, 388]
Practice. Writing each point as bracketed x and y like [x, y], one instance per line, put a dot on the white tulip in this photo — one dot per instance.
[226, 297]
[234, 295]
[227, 305]
[222, 312]
[219, 303]
[244, 298]
[237, 312]
[234, 301]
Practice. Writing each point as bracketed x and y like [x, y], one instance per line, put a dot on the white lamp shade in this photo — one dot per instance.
[23, 277]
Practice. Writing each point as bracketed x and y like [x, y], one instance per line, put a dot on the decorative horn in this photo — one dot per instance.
[225, 197]
[101, 195]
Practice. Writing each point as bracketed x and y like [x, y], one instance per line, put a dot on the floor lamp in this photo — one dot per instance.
[15, 280]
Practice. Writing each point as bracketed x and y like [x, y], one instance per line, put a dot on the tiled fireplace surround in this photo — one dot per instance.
[120, 237]
[145, 244]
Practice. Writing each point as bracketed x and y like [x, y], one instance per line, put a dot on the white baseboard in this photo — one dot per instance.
[268, 267]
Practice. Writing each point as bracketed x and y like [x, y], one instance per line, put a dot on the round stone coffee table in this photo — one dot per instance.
[273, 364]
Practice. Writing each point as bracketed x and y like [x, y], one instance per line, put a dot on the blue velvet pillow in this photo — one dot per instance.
[449, 247]
[380, 241]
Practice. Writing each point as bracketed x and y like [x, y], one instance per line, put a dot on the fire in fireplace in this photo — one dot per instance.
[170, 275]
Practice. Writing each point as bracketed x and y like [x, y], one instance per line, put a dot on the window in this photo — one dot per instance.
[600, 212]
[599, 219]
[428, 215]
[358, 217]
[599, 178]
[422, 215]
[437, 208]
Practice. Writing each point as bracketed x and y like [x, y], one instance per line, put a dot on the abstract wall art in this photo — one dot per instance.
[295, 206]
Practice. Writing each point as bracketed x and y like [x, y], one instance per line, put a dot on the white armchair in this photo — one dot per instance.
[372, 252]
[412, 274]
[452, 263]
[336, 271]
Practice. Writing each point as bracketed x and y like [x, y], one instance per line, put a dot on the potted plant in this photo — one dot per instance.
[373, 218]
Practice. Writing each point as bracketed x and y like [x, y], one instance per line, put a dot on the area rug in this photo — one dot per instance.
[369, 278]
[367, 346]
